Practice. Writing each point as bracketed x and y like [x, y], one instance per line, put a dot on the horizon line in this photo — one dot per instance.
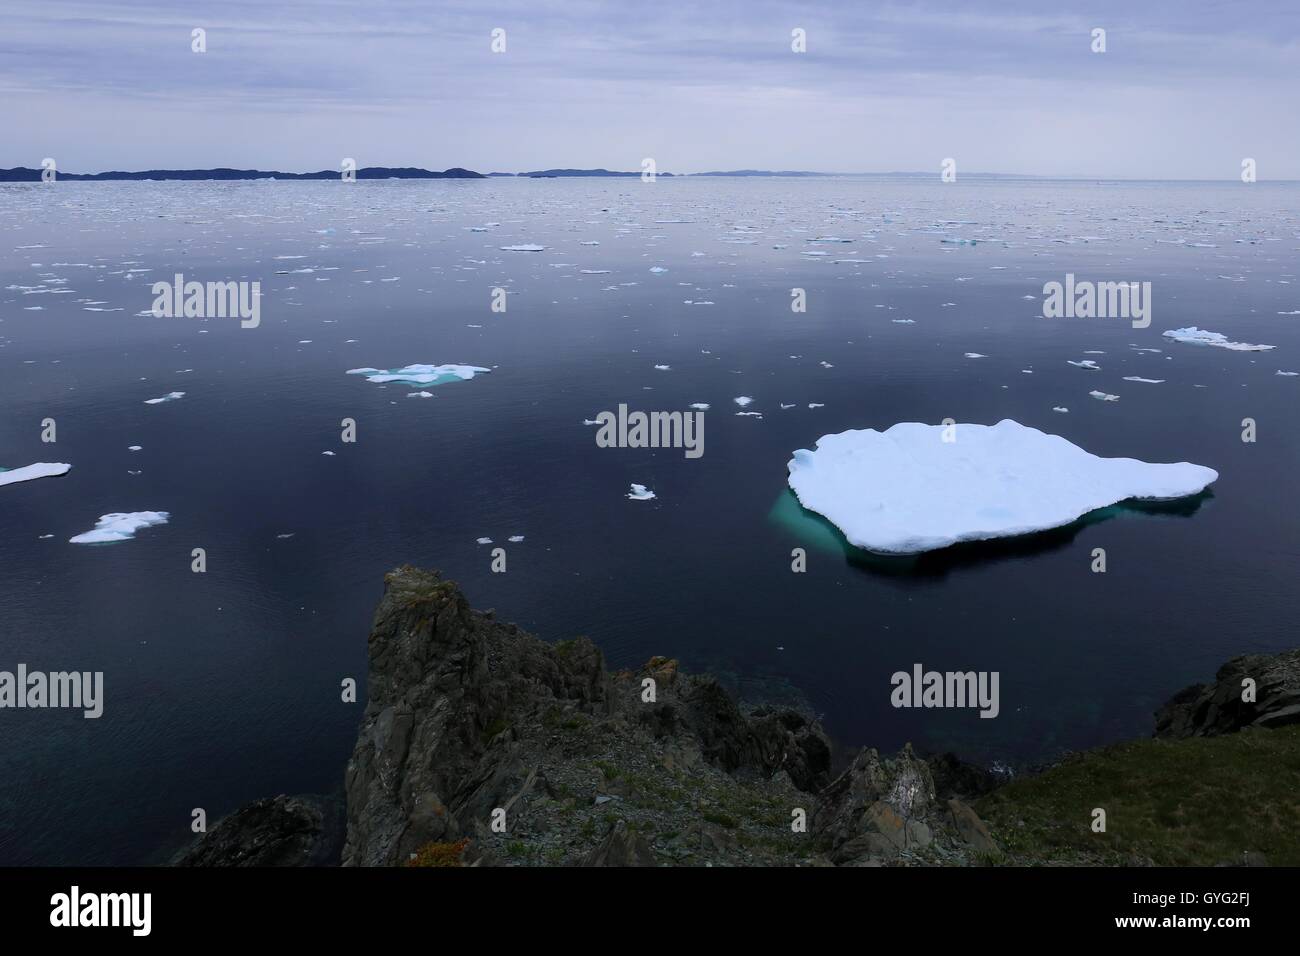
[579, 172]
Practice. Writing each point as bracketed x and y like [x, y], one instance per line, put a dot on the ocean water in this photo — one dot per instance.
[224, 686]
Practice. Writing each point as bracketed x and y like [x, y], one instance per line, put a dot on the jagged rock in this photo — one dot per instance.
[970, 826]
[869, 808]
[621, 847]
[283, 831]
[1208, 710]
[954, 777]
[468, 717]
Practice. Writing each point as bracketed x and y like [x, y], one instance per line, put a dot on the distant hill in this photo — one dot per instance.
[558, 173]
[766, 172]
[23, 174]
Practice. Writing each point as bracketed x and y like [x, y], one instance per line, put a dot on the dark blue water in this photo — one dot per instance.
[224, 687]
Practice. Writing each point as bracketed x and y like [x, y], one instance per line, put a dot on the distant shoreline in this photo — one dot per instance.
[26, 174]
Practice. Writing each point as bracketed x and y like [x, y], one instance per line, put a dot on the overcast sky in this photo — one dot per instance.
[1186, 89]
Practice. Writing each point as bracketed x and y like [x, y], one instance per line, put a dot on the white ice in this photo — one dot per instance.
[1194, 336]
[641, 493]
[420, 374]
[906, 490]
[120, 526]
[42, 469]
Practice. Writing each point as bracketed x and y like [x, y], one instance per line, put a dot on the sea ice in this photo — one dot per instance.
[169, 397]
[1194, 336]
[524, 247]
[640, 493]
[906, 489]
[120, 527]
[42, 469]
[1103, 397]
[420, 374]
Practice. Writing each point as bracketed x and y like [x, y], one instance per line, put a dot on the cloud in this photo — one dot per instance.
[1186, 89]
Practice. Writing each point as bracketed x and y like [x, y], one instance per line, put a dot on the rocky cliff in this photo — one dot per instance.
[483, 745]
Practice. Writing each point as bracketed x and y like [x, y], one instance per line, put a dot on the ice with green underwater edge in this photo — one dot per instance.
[813, 531]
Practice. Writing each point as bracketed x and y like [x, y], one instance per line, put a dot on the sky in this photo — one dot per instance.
[1186, 89]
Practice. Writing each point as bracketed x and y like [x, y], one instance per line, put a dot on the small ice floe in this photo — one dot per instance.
[640, 493]
[975, 355]
[420, 374]
[169, 397]
[1194, 336]
[285, 537]
[419, 394]
[44, 537]
[1296, 312]
[704, 406]
[903, 321]
[784, 406]
[329, 453]
[750, 414]
[1060, 408]
[826, 364]
[1103, 397]
[483, 541]
[1089, 364]
[120, 526]
[1280, 372]
[657, 269]
[524, 247]
[1145, 381]
[816, 404]
[593, 272]
[515, 538]
[907, 489]
[663, 368]
[743, 401]
[42, 469]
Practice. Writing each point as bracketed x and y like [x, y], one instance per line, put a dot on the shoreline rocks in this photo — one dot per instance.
[483, 745]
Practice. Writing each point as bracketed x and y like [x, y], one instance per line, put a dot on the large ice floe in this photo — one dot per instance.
[420, 374]
[120, 526]
[907, 489]
[42, 469]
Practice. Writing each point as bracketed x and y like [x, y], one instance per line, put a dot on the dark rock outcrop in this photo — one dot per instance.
[282, 831]
[475, 728]
[1206, 710]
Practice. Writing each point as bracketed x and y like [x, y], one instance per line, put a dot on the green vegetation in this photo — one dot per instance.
[1195, 802]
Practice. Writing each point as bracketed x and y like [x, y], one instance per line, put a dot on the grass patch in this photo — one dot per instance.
[1195, 802]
